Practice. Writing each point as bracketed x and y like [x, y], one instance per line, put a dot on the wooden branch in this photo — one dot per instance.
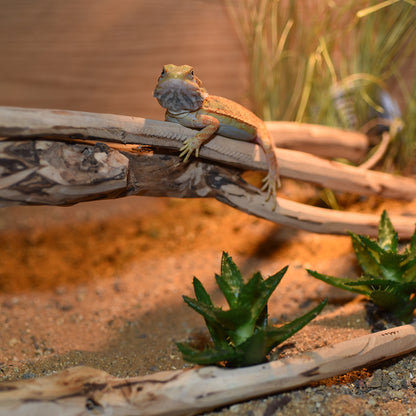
[189, 392]
[17, 122]
[315, 139]
[323, 141]
[74, 164]
[55, 173]
[309, 218]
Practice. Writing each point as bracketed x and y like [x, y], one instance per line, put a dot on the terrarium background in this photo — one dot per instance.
[100, 284]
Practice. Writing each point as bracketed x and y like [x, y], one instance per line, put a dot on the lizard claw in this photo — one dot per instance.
[270, 184]
[189, 146]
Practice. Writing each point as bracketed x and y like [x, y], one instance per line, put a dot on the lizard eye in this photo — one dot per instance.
[190, 75]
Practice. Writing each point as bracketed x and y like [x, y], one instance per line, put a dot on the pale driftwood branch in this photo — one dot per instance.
[323, 141]
[17, 122]
[55, 172]
[189, 392]
[315, 139]
[309, 218]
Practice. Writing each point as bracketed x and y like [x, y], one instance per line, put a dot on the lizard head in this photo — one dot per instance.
[179, 90]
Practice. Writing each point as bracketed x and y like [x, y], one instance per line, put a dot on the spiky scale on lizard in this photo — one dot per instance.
[186, 102]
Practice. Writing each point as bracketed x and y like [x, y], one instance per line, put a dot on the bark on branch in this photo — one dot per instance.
[56, 157]
[81, 390]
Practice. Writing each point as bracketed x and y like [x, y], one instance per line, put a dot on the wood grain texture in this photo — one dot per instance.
[108, 156]
[326, 142]
[15, 122]
[83, 390]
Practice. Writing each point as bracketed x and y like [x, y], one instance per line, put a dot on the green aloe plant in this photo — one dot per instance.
[389, 275]
[241, 335]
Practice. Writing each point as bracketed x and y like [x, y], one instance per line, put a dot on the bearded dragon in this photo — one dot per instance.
[187, 102]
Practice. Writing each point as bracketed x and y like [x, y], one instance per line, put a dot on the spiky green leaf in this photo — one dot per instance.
[371, 244]
[367, 253]
[383, 284]
[409, 270]
[391, 296]
[253, 351]
[272, 281]
[234, 318]
[205, 357]
[263, 319]
[230, 281]
[276, 336]
[216, 329]
[205, 310]
[258, 291]
[341, 283]
[252, 290]
[391, 265]
[256, 348]
[200, 293]
[390, 301]
[387, 237]
[230, 319]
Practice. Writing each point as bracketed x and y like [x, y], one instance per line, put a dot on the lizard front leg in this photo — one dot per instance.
[192, 144]
[272, 180]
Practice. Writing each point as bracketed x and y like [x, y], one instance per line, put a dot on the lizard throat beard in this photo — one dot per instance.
[177, 96]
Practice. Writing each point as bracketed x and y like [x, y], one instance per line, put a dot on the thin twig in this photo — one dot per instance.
[379, 153]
